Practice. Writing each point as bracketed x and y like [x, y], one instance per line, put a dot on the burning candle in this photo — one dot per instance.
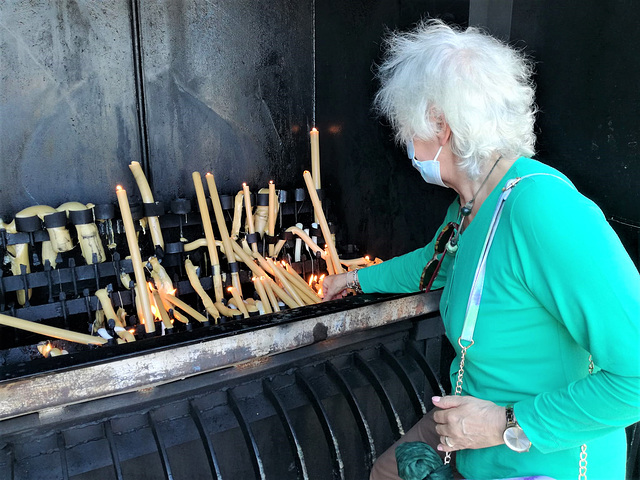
[304, 288]
[147, 197]
[162, 313]
[48, 331]
[288, 286]
[222, 227]
[249, 213]
[272, 215]
[132, 240]
[239, 303]
[315, 157]
[324, 226]
[211, 245]
[124, 334]
[184, 307]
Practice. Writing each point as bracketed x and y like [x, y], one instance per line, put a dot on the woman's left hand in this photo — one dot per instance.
[468, 422]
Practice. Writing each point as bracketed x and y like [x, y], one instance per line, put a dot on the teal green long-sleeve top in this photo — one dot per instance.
[559, 286]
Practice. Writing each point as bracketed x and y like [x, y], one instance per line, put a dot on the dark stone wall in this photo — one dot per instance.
[383, 205]
[588, 81]
[88, 87]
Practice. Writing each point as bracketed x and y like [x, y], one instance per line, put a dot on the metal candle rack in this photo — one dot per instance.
[62, 294]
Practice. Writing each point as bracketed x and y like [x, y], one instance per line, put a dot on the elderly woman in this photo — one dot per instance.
[537, 287]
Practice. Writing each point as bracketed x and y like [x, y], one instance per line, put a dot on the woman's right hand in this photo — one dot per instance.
[334, 286]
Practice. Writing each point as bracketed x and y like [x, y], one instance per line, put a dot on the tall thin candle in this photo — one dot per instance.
[136, 260]
[315, 157]
[147, 197]
[272, 215]
[249, 212]
[324, 226]
[222, 227]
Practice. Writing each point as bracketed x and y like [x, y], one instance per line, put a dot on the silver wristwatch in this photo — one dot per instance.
[514, 437]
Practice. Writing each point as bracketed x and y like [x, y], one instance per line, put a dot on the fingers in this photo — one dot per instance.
[446, 444]
[332, 296]
[334, 286]
[449, 401]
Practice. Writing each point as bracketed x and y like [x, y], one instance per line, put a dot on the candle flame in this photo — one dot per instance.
[314, 129]
[156, 312]
[230, 289]
[119, 187]
[367, 258]
[244, 184]
[270, 182]
[310, 280]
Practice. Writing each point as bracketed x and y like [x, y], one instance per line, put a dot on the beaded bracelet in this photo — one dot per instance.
[353, 282]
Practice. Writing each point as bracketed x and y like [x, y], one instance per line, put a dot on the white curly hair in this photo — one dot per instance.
[480, 86]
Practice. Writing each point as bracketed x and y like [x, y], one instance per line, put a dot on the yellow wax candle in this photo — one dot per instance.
[249, 213]
[48, 331]
[303, 286]
[222, 227]
[272, 214]
[208, 233]
[147, 197]
[192, 274]
[288, 286]
[284, 296]
[136, 260]
[270, 294]
[262, 294]
[315, 157]
[164, 316]
[239, 303]
[184, 307]
[324, 226]
[238, 207]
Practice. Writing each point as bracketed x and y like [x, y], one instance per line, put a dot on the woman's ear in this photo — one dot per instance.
[444, 132]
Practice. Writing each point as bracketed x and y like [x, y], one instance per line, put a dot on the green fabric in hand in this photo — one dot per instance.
[418, 461]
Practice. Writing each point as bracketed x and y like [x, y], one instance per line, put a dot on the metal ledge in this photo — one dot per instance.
[151, 368]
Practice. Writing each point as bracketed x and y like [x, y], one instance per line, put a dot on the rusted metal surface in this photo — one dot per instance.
[59, 388]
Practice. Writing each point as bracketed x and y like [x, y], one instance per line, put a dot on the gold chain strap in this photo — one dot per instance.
[582, 474]
[458, 390]
[582, 470]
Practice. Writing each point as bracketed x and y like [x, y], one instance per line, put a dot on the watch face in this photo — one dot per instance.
[516, 439]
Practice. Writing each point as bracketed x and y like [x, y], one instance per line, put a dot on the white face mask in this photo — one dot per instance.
[429, 169]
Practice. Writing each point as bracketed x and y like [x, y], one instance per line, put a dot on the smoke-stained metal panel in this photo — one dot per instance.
[225, 86]
[228, 89]
[67, 102]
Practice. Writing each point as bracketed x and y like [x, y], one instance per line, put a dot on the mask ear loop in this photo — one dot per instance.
[411, 150]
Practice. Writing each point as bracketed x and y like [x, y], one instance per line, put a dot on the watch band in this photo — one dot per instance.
[513, 436]
[511, 417]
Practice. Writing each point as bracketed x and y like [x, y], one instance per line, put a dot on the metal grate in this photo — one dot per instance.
[320, 414]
